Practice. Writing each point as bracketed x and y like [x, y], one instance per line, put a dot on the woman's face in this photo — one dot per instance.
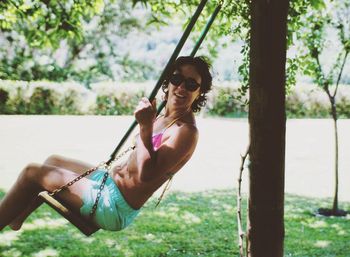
[180, 95]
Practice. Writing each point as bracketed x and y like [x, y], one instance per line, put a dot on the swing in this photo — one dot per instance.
[86, 225]
[80, 222]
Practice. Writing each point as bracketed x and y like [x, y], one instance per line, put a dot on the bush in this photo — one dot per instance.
[125, 103]
[4, 97]
[18, 97]
[104, 105]
[343, 107]
[44, 98]
[42, 101]
[224, 102]
[68, 104]
[122, 104]
[18, 103]
[311, 101]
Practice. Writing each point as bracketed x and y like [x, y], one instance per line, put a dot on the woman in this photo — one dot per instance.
[163, 146]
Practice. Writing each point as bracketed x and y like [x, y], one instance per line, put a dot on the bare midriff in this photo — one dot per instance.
[135, 191]
[128, 179]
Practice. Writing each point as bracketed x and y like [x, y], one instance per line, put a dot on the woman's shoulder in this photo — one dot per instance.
[187, 130]
[189, 126]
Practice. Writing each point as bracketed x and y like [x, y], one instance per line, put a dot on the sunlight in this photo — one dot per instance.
[322, 243]
[79, 236]
[12, 253]
[318, 224]
[45, 223]
[113, 243]
[336, 226]
[215, 201]
[87, 240]
[341, 232]
[128, 253]
[149, 237]
[215, 213]
[47, 253]
[6, 238]
[227, 207]
[190, 218]
[161, 213]
[339, 229]
[152, 238]
[173, 209]
[110, 242]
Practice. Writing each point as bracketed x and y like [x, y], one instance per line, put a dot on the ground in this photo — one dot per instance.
[215, 164]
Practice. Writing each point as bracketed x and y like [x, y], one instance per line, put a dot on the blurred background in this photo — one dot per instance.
[71, 57]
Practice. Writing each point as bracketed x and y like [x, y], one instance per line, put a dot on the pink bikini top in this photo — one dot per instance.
[157, 138]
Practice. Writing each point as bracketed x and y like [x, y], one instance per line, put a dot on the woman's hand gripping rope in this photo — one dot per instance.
[145, 112]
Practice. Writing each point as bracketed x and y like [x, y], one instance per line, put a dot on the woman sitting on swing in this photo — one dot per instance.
[163, 146]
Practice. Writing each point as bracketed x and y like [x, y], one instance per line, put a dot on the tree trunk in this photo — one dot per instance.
[336, 172]
[267, 121]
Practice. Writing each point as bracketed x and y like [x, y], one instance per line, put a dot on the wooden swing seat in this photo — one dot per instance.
[80, 222]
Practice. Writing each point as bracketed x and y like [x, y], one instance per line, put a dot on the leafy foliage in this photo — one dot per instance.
[122, 104]
[45, 23]
[305, 101]
[224, 102]
[232, 21]
[60, 40]
[333, 18]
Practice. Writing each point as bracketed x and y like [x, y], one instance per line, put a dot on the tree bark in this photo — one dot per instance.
[267, 122]
[336, 170]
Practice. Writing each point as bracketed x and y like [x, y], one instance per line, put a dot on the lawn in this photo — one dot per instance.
[197, 218]
[185, 224]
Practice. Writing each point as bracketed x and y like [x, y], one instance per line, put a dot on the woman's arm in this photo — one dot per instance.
[172, 154]
[145, 114]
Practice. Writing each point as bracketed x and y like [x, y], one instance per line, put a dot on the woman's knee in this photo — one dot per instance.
[54, 160]
[31, 172]
[43, 176]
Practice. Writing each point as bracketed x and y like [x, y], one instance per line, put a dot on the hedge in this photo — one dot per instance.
[110, 98]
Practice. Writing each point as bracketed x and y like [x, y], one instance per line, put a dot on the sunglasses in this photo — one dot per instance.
[190, 84]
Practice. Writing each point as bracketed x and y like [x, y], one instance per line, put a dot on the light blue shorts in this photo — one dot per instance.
[113, 212]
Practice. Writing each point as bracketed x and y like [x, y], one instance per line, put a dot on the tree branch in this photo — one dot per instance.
[340, 72]
[324, 82]
[241, 234]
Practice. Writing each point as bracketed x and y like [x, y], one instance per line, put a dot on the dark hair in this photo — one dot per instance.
[202, 67]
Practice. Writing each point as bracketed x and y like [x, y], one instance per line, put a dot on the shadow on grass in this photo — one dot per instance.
[185, 224]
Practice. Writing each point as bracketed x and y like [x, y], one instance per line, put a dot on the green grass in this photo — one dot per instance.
[196, 224]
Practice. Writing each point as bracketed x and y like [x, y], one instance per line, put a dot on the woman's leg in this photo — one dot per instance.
[33, 179]
[68, 164]
[57, 161]
[17, 223]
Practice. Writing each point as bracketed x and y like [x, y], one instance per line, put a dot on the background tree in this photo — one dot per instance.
[334, 17]
[37, 46]
[28, 26]
[68, 40]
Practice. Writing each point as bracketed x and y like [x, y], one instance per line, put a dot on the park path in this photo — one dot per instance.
[215, 164]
